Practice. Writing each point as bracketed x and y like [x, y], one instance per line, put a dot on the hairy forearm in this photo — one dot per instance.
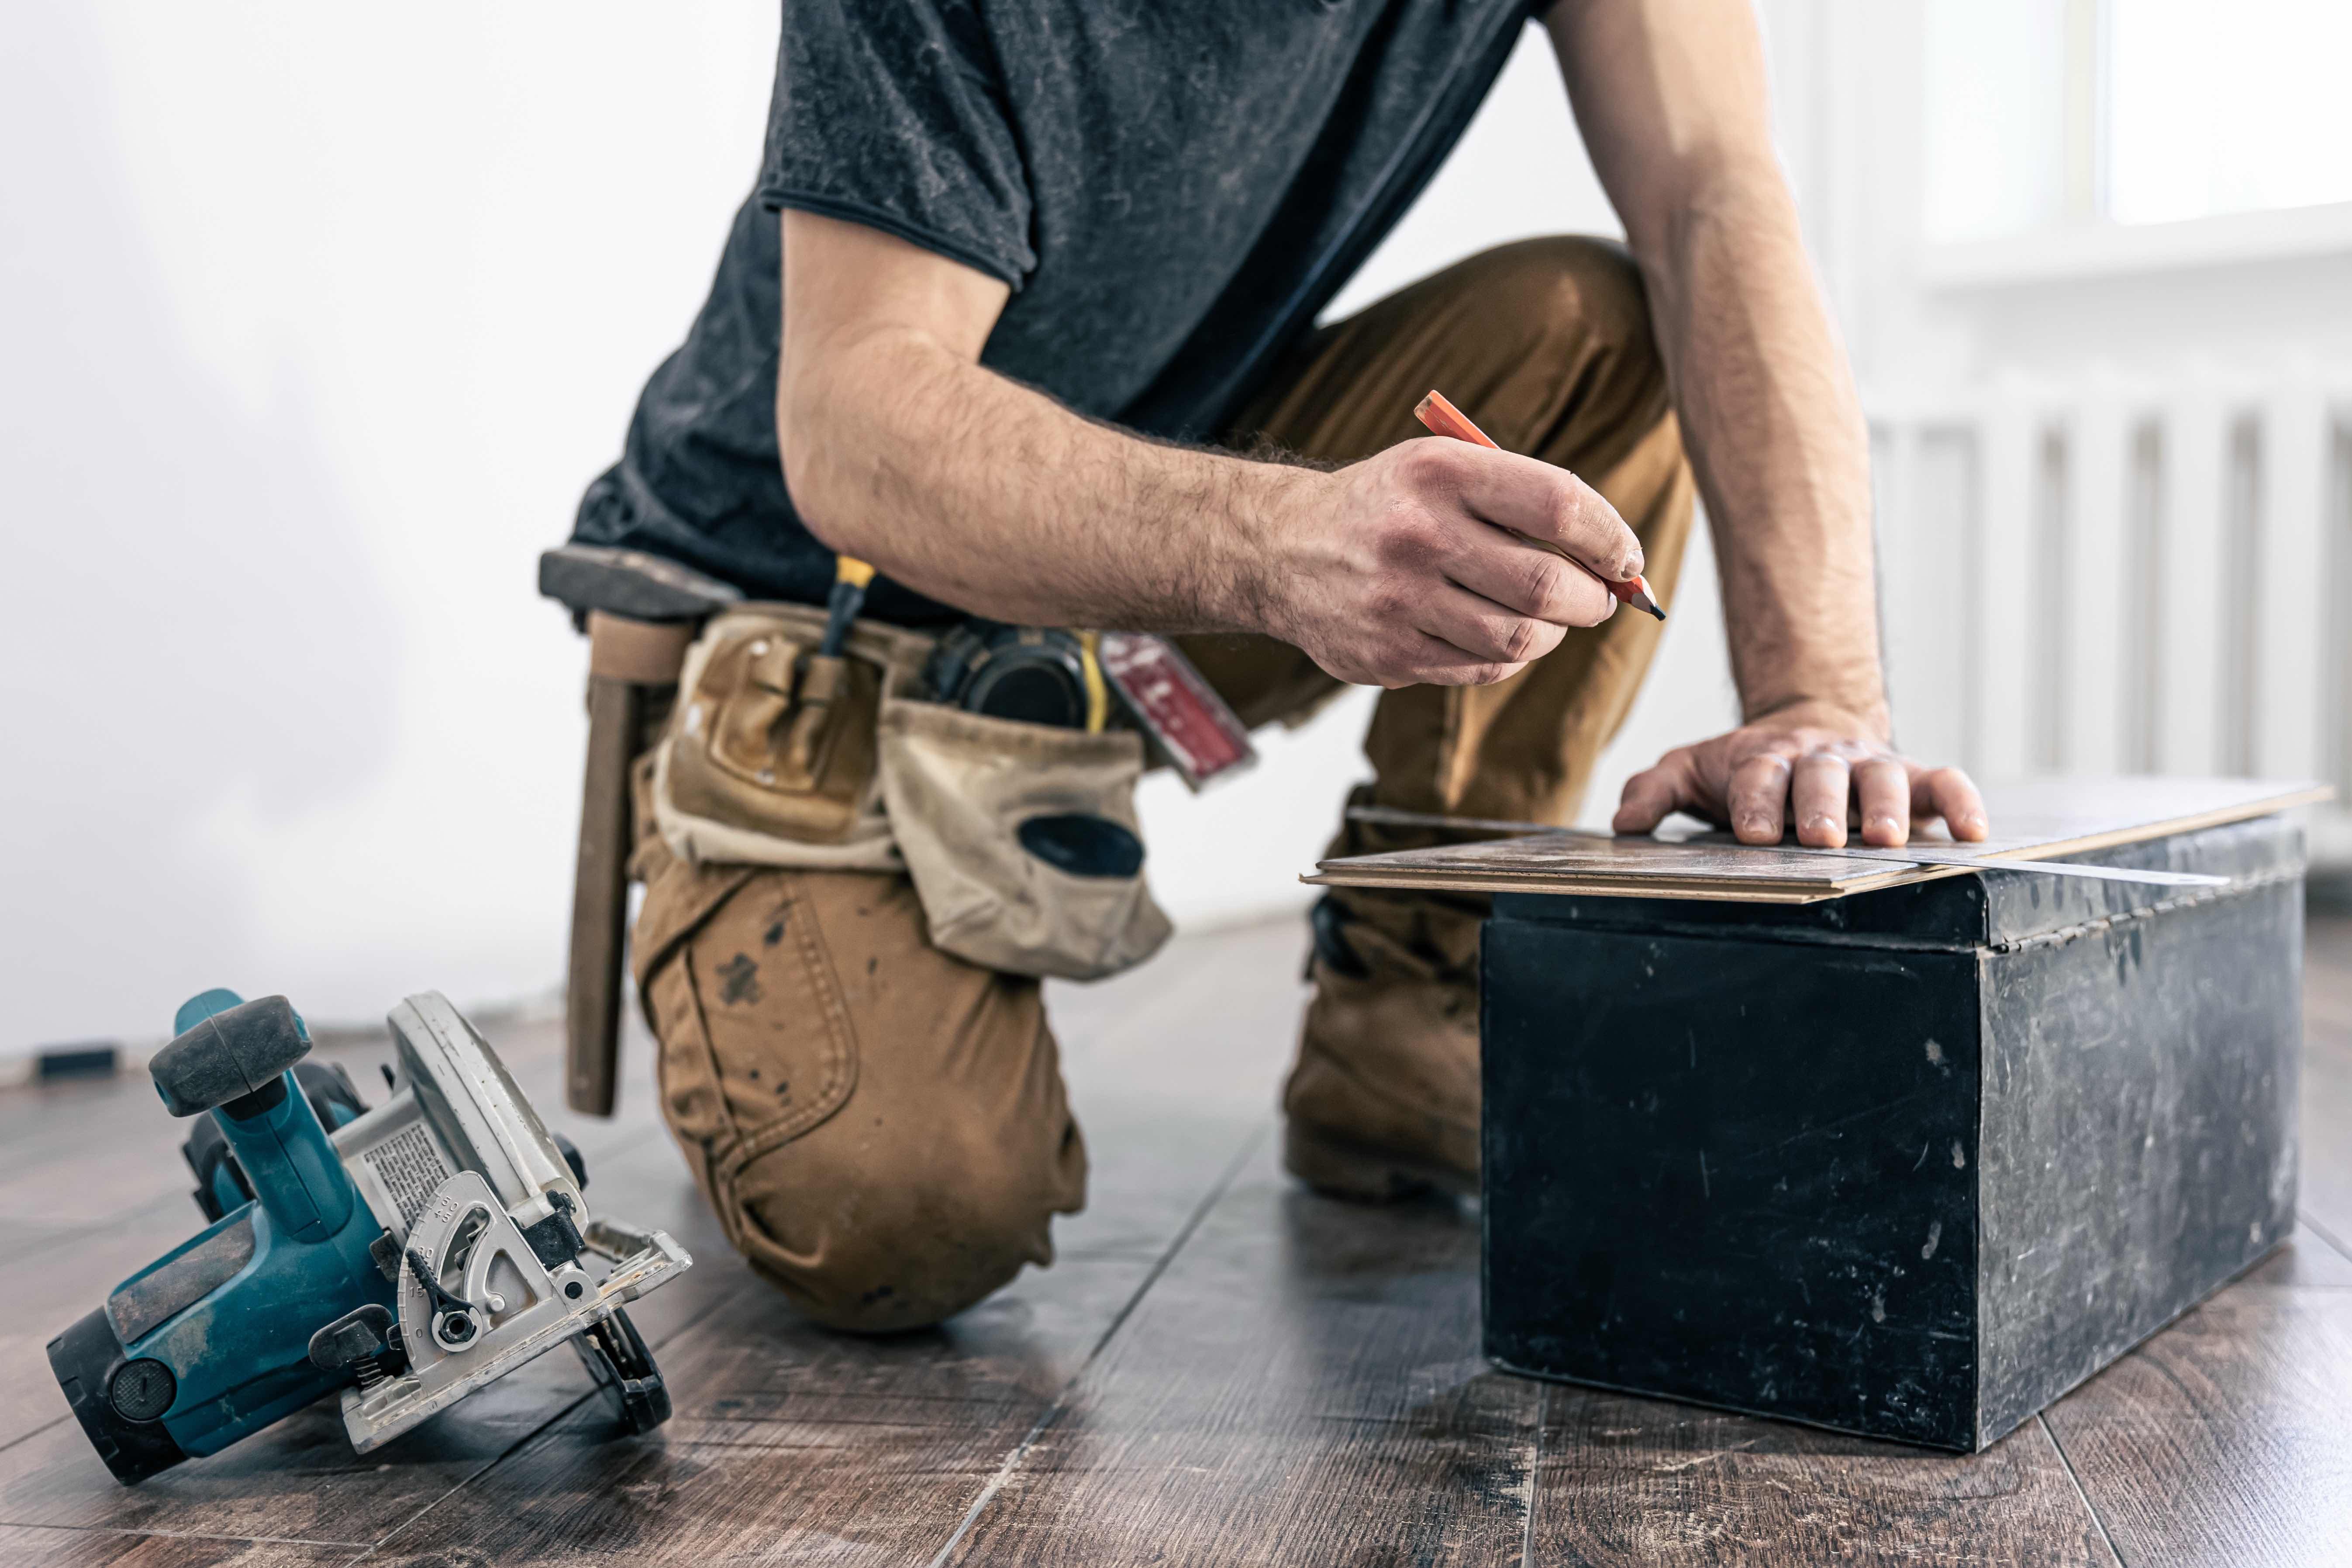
[989, 496]
[1777, 443]
[1431, 561]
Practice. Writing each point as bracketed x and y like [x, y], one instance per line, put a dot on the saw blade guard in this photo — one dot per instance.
[496, 1257]
[476, 1302]
[481, 1117]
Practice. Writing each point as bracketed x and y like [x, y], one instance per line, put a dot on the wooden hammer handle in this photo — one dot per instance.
[631, 664]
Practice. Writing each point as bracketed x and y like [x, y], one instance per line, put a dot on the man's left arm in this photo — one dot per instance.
[1671, 98]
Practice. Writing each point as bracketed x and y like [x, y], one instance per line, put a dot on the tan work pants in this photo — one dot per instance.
[882, 1129]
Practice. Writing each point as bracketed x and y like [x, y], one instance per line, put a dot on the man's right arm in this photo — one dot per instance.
[901, 449]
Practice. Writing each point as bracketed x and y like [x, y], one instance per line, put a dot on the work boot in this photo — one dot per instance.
[1384, 1101]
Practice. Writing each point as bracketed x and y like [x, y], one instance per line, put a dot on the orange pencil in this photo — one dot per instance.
[1444, 419]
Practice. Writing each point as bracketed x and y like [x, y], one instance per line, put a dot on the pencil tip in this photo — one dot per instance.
[1642, 600]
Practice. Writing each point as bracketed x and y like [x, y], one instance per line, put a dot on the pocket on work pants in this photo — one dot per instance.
[1021, 839]
[755, 1043]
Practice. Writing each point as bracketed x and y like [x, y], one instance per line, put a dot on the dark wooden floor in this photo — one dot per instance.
[1219, 1370]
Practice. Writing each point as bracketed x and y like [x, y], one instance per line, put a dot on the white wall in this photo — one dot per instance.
[314, 321]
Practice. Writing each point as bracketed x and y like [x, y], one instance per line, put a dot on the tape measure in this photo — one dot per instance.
[1037, 675]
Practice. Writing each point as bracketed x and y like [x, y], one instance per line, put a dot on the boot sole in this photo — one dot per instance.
[1340, 1168]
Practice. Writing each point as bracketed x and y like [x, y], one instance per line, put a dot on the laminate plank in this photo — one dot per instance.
[2227, 1438]
[50, 1130]
[786, 1443]
[2326, 1197]
[1642, 1481]
[2328, 966]
[24, 1546]
[790, 1440]
[1210, 1028]
[1302, 1385]
[299, 1478]
[1205, 1039]
[2040, 819]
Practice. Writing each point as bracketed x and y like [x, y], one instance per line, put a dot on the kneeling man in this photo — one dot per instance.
[1023, 312]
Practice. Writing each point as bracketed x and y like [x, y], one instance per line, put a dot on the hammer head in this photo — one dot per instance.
[629, 584]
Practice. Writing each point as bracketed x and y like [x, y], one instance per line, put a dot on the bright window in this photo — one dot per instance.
[2224, 108]
[2047, 113]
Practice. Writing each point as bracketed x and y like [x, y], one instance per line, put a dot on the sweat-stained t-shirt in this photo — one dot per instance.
[1172, 189]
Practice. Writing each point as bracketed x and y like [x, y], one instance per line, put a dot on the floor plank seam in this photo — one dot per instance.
[2114, 1552]
[145, 1532]
[557, 1419]
[1053, 1412]
[1535, 1476]
[2324, 1233]
[24, 1436]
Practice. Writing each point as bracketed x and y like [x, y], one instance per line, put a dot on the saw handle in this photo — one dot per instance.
[235, 1060]
[237, 1056]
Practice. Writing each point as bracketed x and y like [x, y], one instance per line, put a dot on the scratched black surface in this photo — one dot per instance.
[1726, 1170]
[1910, 1166]
[2139, 1131]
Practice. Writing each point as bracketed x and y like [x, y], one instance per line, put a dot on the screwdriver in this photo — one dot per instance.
[850, 578]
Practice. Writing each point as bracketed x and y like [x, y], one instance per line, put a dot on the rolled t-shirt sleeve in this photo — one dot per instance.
[892, 113]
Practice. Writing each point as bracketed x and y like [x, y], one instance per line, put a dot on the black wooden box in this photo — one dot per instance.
[1910, 1164]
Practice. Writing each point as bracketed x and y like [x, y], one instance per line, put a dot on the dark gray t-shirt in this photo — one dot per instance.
[1172, 188]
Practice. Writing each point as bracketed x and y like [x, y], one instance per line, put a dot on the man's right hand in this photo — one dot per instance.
[1407, 569]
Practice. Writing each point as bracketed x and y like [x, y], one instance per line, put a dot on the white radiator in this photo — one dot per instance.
[2119, 576]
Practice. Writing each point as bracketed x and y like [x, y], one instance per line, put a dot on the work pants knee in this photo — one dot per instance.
[881, 1128]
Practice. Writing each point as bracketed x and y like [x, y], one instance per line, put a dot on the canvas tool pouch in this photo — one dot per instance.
[1021, 839]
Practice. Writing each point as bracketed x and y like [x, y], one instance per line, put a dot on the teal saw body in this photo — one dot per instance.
[400, 1257]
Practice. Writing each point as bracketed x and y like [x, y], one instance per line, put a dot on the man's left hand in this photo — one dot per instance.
[1810, 762]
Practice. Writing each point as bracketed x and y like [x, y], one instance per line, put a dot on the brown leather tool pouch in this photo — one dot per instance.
[778, 737]
[771, 757]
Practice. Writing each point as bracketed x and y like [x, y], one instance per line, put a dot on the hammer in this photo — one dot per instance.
[639, 612]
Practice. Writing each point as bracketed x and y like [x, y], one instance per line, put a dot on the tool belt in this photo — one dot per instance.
[1020, 838]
